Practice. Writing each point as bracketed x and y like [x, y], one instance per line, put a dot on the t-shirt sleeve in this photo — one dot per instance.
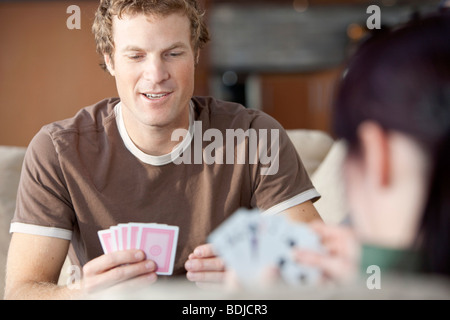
[43, 204]
[280, 178]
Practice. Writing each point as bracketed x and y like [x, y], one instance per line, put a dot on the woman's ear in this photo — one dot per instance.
[375, 152]
[109, 64]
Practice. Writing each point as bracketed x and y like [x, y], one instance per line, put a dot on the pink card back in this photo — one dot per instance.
[158, 245]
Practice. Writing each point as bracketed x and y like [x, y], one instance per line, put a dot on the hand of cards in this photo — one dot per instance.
[158, 241]
[249, 242]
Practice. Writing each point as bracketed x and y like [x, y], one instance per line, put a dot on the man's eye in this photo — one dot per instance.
[174, 54]
[136, 57]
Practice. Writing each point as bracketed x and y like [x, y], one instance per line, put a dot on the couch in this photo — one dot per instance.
[321, 155]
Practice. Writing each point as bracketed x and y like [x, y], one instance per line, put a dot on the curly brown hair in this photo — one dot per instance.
[103, 22]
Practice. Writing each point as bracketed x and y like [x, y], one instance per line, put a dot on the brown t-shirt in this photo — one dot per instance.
[83, 174]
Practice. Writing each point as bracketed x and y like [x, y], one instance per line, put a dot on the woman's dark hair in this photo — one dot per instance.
[401, 80]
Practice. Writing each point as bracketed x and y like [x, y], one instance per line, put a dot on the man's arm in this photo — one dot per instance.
[303, 212]
[35, 262]
[33, 267]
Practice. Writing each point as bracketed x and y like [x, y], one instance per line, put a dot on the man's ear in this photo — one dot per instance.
[109, 64]
[375, 152]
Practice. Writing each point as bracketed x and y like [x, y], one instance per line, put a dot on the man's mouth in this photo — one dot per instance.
[153, 96]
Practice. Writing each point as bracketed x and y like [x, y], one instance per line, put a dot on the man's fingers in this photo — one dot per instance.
[208, 264]
[203, 251]
[117, 267]
[204, 267]
[121, 274]
[111, 260]
[124, 286]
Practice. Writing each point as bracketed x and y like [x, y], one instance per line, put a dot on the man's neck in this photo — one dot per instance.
[155, 140]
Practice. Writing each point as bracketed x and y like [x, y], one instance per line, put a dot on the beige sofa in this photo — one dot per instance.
[321, 156]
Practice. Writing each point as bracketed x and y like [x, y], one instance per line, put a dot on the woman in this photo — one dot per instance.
[393, 110]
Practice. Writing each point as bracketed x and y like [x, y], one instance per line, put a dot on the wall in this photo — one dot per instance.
[300, 100]
[48, 72]
[285, 57]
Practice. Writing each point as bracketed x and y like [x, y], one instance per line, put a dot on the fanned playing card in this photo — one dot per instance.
[158, 241]
[249, 242]
[236, 241]
[107, 240]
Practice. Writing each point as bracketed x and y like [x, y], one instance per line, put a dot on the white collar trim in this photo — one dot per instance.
[149, 159]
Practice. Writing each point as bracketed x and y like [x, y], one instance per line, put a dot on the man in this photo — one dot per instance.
[115, 162]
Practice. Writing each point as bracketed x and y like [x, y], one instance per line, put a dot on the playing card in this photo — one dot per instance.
[134, 235]
[107, 241]
[272, 229]
[159, 245]
[299, 235]
[115, 235]
[158, 241]
[249, 242]
[123, 236]
[237, 242]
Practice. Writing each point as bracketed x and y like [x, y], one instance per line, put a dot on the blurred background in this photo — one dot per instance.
[280, 56]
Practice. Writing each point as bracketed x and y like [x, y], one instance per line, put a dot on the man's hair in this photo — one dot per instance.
[103, 23]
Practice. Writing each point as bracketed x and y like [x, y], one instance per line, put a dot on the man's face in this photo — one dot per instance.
[153, 63]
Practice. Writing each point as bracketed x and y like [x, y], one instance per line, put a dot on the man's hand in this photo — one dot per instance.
[125, 268]
[204, 267]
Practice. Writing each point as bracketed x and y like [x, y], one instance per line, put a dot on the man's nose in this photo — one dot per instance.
[156, 70]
